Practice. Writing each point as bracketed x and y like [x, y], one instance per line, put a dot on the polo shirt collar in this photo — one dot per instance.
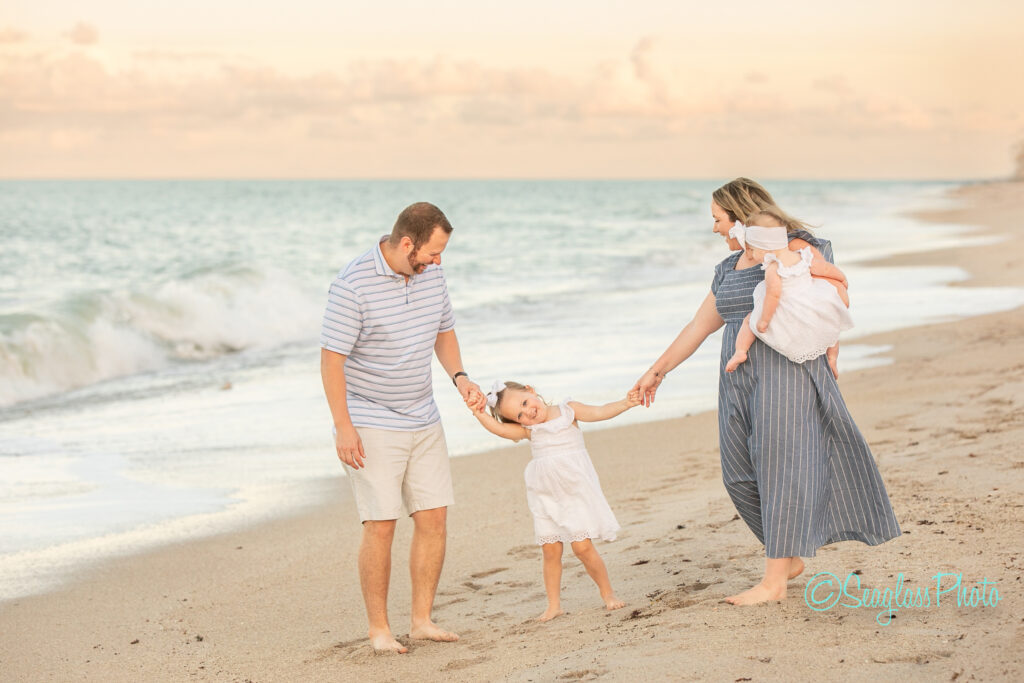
[381, 264]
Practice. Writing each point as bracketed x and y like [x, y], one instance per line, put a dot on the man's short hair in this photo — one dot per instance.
[417, 222]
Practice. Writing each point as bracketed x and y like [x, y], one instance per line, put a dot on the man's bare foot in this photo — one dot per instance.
[550, 613]
[757, 594]
[734, 362]
[796, 567]
[430, 631]
[612, 602]
[383, 642]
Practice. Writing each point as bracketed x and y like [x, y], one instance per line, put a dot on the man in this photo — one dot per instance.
[386, 312]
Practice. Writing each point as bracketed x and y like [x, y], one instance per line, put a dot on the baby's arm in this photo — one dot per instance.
[586, 413]
[822, 268]
[506, 430]
[772, 294]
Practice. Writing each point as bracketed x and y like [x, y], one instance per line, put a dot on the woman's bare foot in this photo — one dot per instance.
[428, 630]
[757, 594]
[612, 602]
[734, 362]
[550, 613]
[383, 642]
[796, 567]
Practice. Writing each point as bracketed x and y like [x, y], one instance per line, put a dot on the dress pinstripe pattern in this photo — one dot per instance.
[794, 463]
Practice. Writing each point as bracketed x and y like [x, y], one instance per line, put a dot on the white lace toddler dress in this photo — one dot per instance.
[810, 314]
[562, 488]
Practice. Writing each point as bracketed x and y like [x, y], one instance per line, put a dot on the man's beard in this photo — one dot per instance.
[416, 266]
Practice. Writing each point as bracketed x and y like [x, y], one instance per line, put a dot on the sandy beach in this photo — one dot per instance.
[281, 601]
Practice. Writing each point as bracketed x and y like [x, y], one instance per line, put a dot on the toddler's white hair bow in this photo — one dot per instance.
[492, 395]
[739, 233]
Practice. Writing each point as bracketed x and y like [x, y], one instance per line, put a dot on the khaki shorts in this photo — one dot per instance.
[407, 469]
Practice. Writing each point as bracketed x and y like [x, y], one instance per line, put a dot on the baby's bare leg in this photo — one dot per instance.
[743, 341]
[832, 355]
[552, 580]
[594, 565]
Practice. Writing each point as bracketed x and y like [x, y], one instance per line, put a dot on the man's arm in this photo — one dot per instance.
[346, 440]
[447, 350]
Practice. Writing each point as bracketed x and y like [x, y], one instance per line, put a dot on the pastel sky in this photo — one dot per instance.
[467, 89]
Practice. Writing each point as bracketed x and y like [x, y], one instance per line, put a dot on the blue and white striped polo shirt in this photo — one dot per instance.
[387, 327]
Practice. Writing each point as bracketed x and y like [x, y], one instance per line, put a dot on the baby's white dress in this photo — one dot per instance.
[562, 488]
[810, 314]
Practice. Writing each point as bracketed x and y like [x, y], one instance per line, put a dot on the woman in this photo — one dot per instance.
[794, 463]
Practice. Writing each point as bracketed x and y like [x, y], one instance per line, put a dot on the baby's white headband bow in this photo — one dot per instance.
[492, 395]
[739, 233]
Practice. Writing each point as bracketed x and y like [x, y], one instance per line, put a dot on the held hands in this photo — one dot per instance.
[646, 387]
[349, 447]
[633, 399]
[471, 394]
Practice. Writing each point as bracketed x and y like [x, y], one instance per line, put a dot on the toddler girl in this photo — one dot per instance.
[798, 315]
[562, 488]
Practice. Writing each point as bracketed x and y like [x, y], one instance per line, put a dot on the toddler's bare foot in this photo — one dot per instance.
[734, 362]
[757, 594]
[383, 642]
[796, 567]
[612, 602]
[428, 630]
[550, 613]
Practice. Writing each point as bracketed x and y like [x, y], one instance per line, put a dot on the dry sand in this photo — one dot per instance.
[281, 602]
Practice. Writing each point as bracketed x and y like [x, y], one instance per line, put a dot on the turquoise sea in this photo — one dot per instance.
[159, 364]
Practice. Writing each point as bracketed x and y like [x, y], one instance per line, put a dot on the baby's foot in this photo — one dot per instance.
[550, 613]
[612, 602]
[384, 643]
[428, 630]
[796, 567]
[757, 594]
[762, 326]
[734, 362]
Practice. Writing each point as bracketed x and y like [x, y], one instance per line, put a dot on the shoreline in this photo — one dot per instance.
[280, 600]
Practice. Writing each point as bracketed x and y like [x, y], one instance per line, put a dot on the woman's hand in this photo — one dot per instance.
[647, 386]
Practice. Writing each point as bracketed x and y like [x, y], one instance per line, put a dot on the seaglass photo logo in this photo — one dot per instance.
[826, 591]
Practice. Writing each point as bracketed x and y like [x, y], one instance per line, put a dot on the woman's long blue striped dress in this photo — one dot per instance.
[794, 463]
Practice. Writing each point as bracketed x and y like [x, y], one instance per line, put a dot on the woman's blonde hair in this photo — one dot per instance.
[743, 197]
[496, 410]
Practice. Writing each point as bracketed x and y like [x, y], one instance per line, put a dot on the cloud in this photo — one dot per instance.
[10, 35]
[83, 34]
[69, 102]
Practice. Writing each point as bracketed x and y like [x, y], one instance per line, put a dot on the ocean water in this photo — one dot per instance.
[159, 364]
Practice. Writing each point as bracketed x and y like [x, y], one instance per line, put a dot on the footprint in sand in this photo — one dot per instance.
[480, 575]
[449, 603]
[582, 675]
[457, 664]
[525, 551]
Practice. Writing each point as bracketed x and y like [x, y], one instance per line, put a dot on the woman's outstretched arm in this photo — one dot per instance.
[705, 322]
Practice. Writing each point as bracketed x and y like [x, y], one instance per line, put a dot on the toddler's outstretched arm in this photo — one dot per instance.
[505, 430]
[587, 413]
